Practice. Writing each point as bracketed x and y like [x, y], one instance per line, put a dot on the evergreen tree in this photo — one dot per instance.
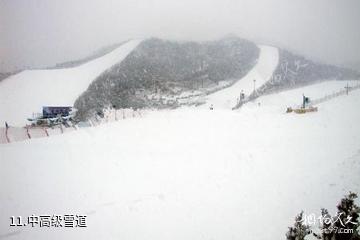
[347, 219]
[299, 230]
[326, 225]
[344, 226]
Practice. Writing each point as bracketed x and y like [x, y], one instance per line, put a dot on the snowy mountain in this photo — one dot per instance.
[97, 54]
[262, 72]
[162, 73]
[30, 90]
[156, 73]
[167, 68]
[5, 75]
[294, 71]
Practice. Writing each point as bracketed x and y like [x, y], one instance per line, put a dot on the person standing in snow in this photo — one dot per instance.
[242, 96]
[211, 107]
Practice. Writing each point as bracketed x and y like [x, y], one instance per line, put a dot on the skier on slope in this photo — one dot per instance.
[242, 96]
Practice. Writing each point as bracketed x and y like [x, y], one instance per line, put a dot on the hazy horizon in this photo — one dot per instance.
[37, 33]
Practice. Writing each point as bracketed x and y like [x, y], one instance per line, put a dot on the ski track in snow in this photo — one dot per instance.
[25, 93]
[189, 173]
[262, 72]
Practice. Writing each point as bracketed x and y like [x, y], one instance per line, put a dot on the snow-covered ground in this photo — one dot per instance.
[25, 93]
[261, 73]
[189, 173]
[293, 98]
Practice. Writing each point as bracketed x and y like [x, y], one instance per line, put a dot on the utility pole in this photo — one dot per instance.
[304, 100]
[154, 86]
[347, 89]
[254, 85]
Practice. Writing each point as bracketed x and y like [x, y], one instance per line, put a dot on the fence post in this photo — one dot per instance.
[6, 135]
[46, 132]
[27, 132]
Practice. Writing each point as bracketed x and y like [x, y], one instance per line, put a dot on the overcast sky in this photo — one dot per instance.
[44, 32]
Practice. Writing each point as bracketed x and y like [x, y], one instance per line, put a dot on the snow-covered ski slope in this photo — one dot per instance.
[189, 173]
[293, 98]
[262, 72]
[25, 93]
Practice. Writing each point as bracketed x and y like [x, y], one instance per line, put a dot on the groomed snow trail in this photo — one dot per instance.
[26, 92]
[188, 173]
[262, 72]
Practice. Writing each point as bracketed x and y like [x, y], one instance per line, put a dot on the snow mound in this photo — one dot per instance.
[26, 92]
